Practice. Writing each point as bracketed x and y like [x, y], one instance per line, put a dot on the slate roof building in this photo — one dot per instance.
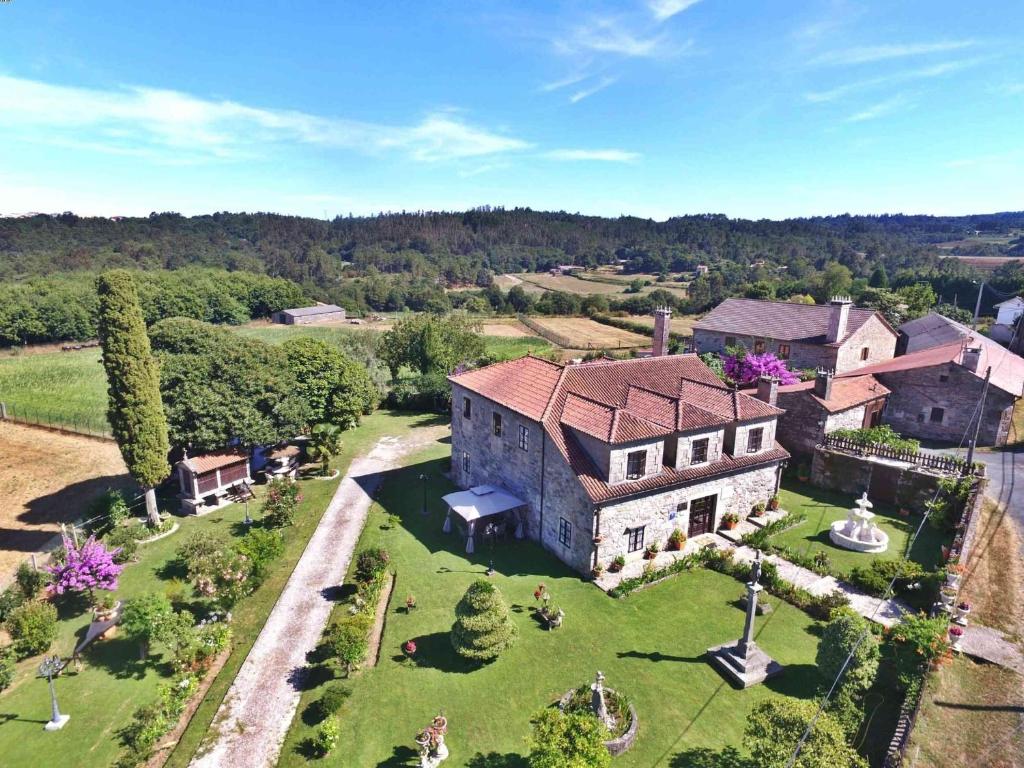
[932, 330]
[935, 392]
[837, 336]
[305, 315]
[609, 457]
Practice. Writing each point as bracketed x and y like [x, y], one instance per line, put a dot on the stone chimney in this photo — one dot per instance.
[662, 321]
[768, 389]
[838, 318]
[971, 358]
[823, 383]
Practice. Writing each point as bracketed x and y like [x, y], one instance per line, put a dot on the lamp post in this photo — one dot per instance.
[248, 520]
[423, 488]
[51, 666]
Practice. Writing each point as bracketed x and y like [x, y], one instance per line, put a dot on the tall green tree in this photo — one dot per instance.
[338, 389]
[848, 633]
[879, 277]
[134, 409]
[775, 726]
[431, 344]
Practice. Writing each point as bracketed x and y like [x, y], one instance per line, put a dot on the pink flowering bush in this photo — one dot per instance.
[85, 568]
[748, 368]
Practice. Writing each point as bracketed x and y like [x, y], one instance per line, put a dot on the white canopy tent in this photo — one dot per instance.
[480, 502]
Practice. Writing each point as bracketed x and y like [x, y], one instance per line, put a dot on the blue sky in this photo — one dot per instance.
[656, 108]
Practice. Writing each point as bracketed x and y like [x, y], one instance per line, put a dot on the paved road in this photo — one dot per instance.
[1006, 482]
[253, 719]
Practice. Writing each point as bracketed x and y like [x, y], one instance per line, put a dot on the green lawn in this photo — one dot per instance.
[650, 645]
[68, 388]
[822, 508]
[102, 697]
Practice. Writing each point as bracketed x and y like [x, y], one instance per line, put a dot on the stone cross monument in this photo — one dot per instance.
[743, 662]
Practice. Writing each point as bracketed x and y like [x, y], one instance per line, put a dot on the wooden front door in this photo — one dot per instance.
[702, 515]
[873, 414]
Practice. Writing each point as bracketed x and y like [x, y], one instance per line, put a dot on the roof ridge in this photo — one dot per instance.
[555, 391]
[589, 400]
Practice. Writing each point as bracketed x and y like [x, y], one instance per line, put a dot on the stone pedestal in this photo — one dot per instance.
[56, 725]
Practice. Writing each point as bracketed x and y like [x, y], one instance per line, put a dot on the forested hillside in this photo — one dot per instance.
[408, 260]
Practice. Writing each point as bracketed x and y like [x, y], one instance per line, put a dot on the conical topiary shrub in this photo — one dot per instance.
[483, 627]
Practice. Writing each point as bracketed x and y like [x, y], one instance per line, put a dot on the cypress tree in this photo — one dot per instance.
[134, 409]
[483, 627]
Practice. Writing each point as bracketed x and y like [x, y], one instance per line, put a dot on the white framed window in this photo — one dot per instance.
[755, 438]
[636, 464]
[636, 539]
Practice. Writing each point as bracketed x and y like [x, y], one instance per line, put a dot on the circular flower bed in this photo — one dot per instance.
[620, 710]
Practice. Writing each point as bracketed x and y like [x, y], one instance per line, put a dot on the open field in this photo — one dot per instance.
[984, 263]
[47, 478]
[650, 646]
[584, 333]
[681, 324]
[606, 285]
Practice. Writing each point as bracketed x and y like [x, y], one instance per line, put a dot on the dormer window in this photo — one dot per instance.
[699, 452]
[636, 465]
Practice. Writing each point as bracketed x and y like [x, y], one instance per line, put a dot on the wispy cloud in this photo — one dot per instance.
[1012, 89]
[565, 82]
[937, 70]
[590, 90]
[880, 109]
[612, 35]
[872, 53]
[139, 119]
[666, 9]
[600, 155]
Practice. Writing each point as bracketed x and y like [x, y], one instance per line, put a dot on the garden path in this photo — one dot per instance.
[254, 717]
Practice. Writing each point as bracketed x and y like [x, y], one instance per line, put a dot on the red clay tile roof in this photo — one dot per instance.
[218, 460]
[1007, 368]
[806, 323]
[846, 392]
[620, 401]
[524, 385]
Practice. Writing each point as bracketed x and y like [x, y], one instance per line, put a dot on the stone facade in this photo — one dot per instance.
[560, 515]
[904, 485]
[874, 336]
[919, 393]
[806, 422]
[659, 514]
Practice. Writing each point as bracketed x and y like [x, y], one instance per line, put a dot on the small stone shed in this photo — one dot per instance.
[213, 480]
[319, 313]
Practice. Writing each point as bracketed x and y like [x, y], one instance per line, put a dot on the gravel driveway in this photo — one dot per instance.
[254, 717]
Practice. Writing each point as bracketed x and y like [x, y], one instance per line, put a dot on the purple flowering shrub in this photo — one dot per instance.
[85, 568]
[748, 368]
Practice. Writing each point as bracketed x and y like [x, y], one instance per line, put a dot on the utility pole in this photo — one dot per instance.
[969, 466]
[977, 305]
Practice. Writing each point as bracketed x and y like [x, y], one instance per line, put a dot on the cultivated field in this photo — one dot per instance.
[590, 284]
[584, 333]
[682, 324]
[984, 263]
[568, 284]
[47, 478]
[68, 388]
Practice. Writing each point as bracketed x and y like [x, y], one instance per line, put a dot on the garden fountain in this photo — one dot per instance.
[859, 531]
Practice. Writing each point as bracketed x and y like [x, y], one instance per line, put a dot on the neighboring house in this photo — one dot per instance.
[932, 330]
[1008, 311]
[935, 392]
[838, 337]
[815, 408]
[609, 457]
[305, 315]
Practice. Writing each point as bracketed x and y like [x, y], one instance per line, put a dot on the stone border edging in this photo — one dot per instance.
[163, 535]
[618, 745]
[380, 619]
[333, 476]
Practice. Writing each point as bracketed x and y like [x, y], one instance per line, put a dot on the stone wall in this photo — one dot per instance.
[564, 497]
[916, 392]
[658, 512]
[879, 340]
[684, 445]
[849, 474]
[619, 455]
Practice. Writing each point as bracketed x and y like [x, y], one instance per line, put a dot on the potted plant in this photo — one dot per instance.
[676, 540]
[963, 609]
[409, 649]
[947, 594]
[954, 573]
[803, 472]
[758, 509]
[651, 552]
[104, 607]
[410, 603]
[597, 571]
[730, 520]
[955, 633]
[773, 502]
[617, 564]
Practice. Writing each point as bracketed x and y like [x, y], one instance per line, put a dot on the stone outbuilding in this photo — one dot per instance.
[935, 392]
[213, 480]
[932, 330]
[609, 457]
[320, 313]
[837, 337]
[815, 408]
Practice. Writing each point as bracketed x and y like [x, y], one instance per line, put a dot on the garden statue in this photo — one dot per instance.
[597, 702]
[743, 662]
[433, 750]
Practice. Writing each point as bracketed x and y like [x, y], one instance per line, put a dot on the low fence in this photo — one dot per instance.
[55, 419]
[931, 461]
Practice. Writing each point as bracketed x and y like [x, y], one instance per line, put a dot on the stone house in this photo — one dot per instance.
[815, 408]
[838, 337]
[934, 393]
[932, 330]
[611, 456]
